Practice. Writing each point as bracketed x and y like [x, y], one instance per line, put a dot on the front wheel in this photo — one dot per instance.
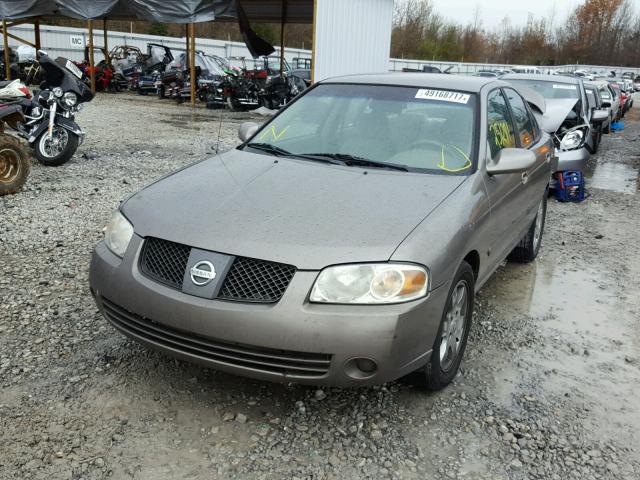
[527, 250]
[453, 332]
[14, 165]
[56, 150]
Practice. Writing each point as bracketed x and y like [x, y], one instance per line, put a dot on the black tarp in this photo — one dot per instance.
[162, 11]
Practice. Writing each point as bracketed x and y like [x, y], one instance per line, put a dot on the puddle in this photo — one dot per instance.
[618, 177]
[588, 327]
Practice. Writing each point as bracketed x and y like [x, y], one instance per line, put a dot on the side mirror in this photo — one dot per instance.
[247, 130]
[599, 116]
[606, 104]
[511, 160]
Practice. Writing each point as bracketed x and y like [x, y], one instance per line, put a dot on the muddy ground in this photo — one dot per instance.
[548, 389]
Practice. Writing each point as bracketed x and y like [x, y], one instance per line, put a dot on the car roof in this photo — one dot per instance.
[421, 80]
[541, 77]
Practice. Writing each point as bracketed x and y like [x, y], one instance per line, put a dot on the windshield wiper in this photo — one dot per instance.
[268, 148]
[351, 161]
[281, 152]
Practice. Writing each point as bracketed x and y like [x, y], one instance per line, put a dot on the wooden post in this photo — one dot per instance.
[91, 64]
[282, 22]
[106, 41]
[192, 65]
[7, 65]
[36, 27]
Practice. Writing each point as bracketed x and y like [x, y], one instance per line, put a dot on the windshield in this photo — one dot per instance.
[419, 129]
[549, 90]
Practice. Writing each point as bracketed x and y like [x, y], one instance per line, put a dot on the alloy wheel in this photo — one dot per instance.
[454, 326]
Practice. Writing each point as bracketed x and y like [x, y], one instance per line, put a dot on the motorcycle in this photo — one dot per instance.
[14, 161]
[49, 125]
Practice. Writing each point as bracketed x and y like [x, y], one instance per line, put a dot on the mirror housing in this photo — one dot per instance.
[599, 116]
[606, 104]
[511, 160]
[247, 130]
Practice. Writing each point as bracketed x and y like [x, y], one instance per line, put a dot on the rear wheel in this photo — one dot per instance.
[453, 332]
[528, 248]
[231, 103]
[14, 165]
[597, 139]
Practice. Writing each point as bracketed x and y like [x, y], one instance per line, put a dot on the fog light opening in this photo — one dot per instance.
[361, 368]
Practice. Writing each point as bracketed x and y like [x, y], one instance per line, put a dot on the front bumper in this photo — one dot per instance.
[573, 160]
[290, 341]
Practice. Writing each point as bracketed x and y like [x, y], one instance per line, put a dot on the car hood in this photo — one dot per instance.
[556, 113]
[291, 211]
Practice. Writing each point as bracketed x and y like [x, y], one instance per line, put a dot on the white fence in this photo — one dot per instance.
[69, 42]
[397, 65]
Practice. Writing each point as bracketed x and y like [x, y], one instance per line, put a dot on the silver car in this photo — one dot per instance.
[343, 242]
[567, 116]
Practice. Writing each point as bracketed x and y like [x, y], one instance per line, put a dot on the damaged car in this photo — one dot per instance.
[343, 242]
[567, 116]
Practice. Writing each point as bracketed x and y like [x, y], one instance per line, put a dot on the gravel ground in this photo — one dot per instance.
[548, 388]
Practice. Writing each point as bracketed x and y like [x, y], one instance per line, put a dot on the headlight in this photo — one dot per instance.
[572, 139]
[118, 233]
[70, 99]
[58, 92]
[370, 284]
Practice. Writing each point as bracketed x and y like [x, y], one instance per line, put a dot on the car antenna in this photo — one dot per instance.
[219, 131]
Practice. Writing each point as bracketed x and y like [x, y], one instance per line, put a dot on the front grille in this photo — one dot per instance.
[248, 280]
[164, 261]
[252, 280]
[284, 362]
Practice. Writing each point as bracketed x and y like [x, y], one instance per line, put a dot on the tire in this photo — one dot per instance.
[231, 104]
[450, 343]
[598, 139]
[60, 158]
[161, 92]
[14, 165]
[607, 129]
[527, 250]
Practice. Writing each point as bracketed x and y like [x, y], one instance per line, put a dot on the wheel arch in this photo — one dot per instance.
[473, 259]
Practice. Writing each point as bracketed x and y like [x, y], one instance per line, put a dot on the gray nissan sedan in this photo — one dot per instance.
[343, 241]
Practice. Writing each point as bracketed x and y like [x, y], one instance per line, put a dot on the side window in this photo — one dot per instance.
[499, 126]
[523, 121]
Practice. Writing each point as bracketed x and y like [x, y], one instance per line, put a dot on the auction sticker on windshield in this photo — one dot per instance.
[565, 87]
[73, 69]
[443, 95]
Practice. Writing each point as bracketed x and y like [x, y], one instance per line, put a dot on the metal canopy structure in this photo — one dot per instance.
[189, 12]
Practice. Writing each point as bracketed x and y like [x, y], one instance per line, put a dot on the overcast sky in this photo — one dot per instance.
[493, 11]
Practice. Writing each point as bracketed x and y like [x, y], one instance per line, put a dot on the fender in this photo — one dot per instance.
[64, 122]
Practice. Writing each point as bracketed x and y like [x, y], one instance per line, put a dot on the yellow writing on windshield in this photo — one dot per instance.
[447, 167]
[275, 136]
[501, 134]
